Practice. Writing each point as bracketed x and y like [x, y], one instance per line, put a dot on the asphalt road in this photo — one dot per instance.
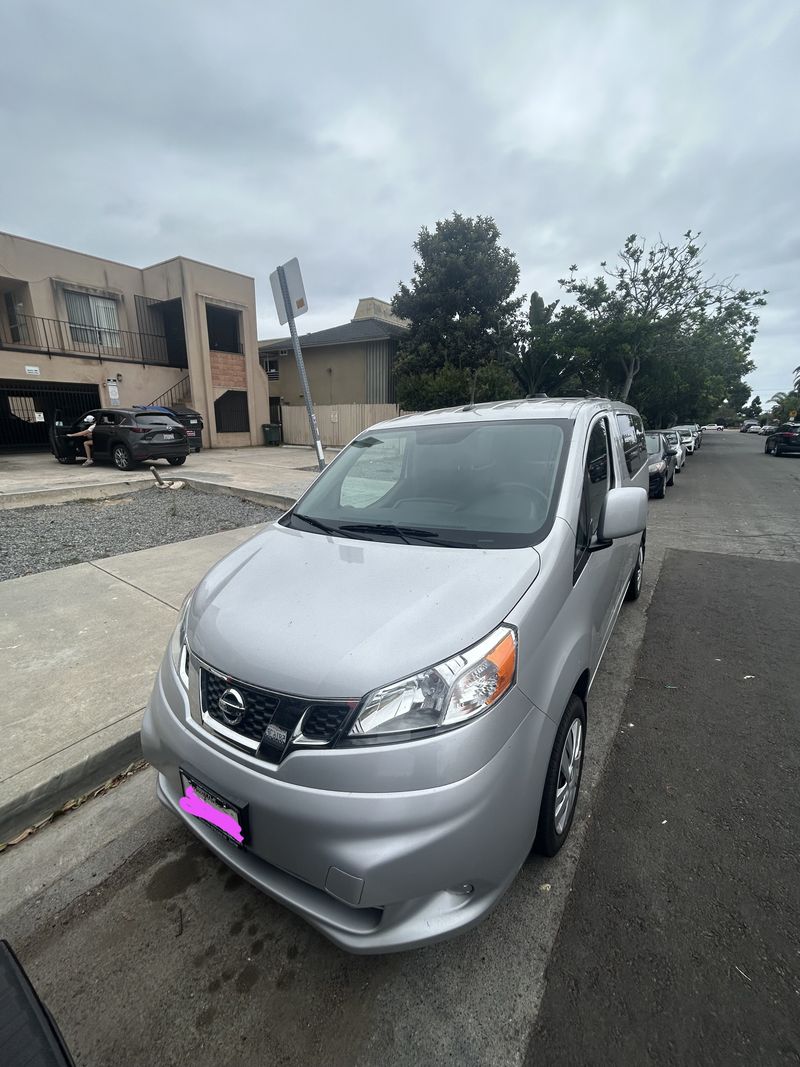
[148, 950]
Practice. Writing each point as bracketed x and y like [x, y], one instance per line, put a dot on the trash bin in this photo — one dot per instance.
[272, 433]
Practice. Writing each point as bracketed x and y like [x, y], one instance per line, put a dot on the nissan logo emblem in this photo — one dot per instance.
[231, 705]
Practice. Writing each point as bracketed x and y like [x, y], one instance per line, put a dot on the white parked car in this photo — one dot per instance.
[712, 426]
[755, 428]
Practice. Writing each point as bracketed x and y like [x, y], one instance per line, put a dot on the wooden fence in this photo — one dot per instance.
[338, 423]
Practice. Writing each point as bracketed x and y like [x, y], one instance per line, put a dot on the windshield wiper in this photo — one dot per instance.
[403, 532]
[332, 531]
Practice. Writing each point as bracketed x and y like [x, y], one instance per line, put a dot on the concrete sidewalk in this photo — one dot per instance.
[79, 649]
[82, 644]
[275, 476]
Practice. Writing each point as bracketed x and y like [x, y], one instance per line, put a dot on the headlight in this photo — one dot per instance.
[657, 468]
[178, 648]
[445, 695]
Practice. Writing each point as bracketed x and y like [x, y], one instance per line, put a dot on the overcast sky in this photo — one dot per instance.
[244, 133]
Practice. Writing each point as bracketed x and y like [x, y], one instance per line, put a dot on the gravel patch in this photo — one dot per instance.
[43, 538]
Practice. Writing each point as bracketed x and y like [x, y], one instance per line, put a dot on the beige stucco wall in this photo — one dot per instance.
[336, 375]
[139, 384]
[47, 269]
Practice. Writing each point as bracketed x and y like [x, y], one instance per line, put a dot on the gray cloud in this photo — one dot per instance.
[246, 133]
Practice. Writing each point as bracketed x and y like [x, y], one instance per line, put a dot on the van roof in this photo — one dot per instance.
[504, 410]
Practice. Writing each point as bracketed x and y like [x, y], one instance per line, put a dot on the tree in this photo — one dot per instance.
[461, 310]
[783, 404]
[753, 409]
[646, 308]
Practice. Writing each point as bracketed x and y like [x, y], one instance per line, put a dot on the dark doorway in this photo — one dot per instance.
[172, 314]
[27, 408]
[275, 413]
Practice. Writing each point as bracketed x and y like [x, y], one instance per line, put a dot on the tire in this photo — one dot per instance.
[776, 451]
[662, 489]
[766, 448]
[123, 460]
[563, 780]
[672, 477]
[176, 461]
[66, 459]
[634, 590]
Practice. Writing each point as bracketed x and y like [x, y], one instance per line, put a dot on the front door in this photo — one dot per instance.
[103, 433]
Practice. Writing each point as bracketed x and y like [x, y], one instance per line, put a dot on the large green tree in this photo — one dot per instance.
[660, 325]
[461, 309]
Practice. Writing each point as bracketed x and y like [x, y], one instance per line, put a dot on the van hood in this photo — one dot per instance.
[325, 617]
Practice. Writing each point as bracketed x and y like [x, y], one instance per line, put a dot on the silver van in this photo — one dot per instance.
[375, 708]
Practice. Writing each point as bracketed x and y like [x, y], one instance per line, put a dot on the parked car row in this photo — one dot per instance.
[667, 451]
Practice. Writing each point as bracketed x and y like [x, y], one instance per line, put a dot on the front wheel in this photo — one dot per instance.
[661, 492]
[635, 584]
[563, 780]
[122, 458]
[66, 459]
[671, 480]
[176, 461]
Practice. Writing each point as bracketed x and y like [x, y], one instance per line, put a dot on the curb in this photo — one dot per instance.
[100, 491]
[255, 496]
[42, 799]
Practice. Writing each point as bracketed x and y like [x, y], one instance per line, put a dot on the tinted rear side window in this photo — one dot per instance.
[634, 442]
[157, 420]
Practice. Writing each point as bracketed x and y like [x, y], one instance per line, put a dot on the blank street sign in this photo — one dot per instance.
[297, 293]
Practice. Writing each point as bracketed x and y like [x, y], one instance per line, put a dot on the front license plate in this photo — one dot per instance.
[205, 804]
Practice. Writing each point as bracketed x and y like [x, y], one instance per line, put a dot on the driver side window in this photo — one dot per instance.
[596, 483]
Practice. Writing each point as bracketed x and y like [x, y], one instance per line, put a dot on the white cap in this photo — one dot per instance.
[89, 418]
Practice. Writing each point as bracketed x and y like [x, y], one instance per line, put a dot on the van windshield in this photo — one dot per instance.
[477, 484]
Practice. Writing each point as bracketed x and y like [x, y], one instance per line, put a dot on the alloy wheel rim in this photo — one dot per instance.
[569, 768]
[639, 566]
[121, 458]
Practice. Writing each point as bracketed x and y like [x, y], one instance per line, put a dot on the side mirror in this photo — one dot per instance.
[671, 452]
[624, 514]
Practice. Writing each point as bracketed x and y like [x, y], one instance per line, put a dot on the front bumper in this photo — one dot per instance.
[375, 871]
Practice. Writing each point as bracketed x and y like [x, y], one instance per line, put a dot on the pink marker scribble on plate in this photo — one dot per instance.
[195, 805]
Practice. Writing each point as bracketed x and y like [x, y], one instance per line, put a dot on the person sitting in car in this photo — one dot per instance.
[87, 439]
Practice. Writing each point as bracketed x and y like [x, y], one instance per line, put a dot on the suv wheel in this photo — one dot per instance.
[563, 780]
[176, 461]
[123, 460]
[635, 583]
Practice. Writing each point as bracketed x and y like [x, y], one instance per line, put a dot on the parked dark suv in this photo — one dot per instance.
[124, 436]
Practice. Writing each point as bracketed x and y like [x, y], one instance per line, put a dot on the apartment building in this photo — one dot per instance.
[77, 332]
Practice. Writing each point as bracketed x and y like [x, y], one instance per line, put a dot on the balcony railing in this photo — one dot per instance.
[31, 333]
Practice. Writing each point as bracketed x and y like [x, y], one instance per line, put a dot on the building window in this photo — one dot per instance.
[92, 320]
[273, 371]
[223, 329]
[230, 412]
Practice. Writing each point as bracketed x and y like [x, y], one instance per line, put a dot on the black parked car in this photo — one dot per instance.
[662, 461]
[191, 420]
[785, 439]
[124, 436]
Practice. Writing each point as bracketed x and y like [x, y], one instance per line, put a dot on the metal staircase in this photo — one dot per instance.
[179, 393]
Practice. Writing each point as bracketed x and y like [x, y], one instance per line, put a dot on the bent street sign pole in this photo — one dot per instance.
[290, 301]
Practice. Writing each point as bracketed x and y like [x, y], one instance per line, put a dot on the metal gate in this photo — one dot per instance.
[27, 409]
